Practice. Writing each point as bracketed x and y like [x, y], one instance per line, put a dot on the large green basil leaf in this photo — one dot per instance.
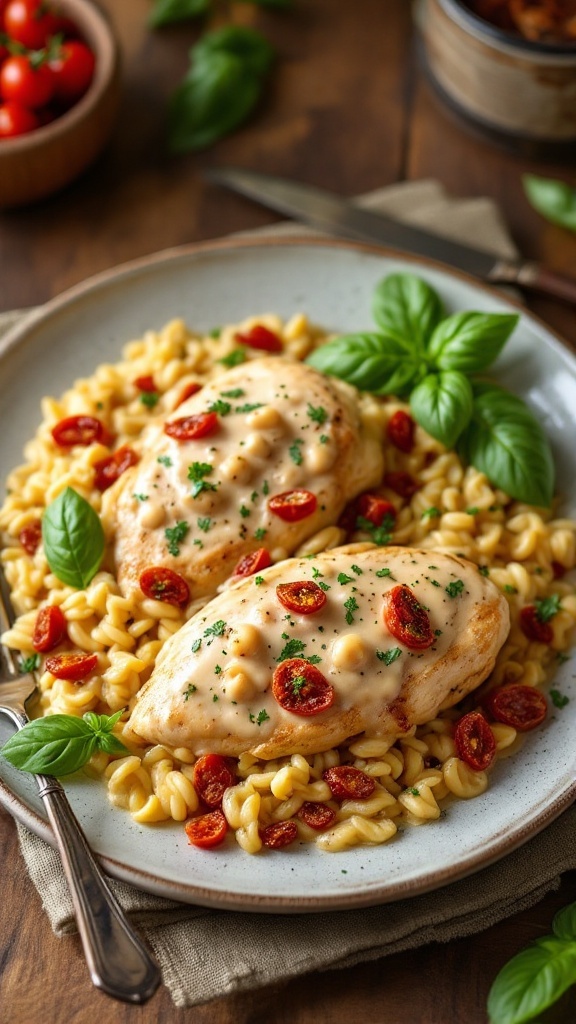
[442, 403]
[248, 45]
[164, 12]
[554, 199]
[470, 341]
[371, 362]
[506, 442]
[532, 981]
[407, 308]
[56, 745]
[73, 539]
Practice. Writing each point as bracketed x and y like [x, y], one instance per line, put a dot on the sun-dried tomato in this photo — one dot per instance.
[108, 470]
[145, 383]
[260, 337]
[163, 584]
[403, 484]
[81, 430]
[207, 831]
[31, 535]
[376, 510]
[50, 629]
[279, 834]
[73, 667]
[301, 688]
[400, 431]
[187, 391]
[291, 506]
[349, 783]
[253, 562]
[523, 707]
[191, 428]
[303, 596]
[474, 741]
[533, 627]
[316, 816]
[406, 619]
[213, 774]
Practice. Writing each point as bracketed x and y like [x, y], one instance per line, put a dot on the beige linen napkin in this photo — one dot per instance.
[205, 953]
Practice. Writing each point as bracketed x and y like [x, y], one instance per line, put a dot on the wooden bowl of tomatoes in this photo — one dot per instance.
[59, 91]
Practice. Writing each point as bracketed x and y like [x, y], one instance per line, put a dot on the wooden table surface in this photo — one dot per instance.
[347, 108]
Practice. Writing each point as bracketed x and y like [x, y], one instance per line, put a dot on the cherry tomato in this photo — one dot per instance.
[254, 562]
[260, 337]
[187, 391]
[402, 483]
[212, 776]
[301, 688]
[190, 428]
[108, 470]
[533, 627]
[30, 536]
[349, 783]
[30, 22]
[279, 834]
[474, 740]
[24, 82]
[207, 831]
[145, 383]
[305, 596]
[523, 707]
[73, 667]
[400, 431]
[49, 629]
[291, 506]
[163, 584]
[376, 509]
[316, 816]
[406, 619]
[82, 430]
[73, 69]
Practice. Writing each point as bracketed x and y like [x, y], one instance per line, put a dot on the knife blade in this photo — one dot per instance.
[342, 217]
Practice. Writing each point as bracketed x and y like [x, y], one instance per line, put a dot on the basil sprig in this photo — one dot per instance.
[554, 199]
[73, 539]
[538, 976]
[61, 744]
[225, 79]
[165, 12]
[434, 360]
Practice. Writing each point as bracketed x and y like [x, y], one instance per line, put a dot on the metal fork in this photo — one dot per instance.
[118, 961]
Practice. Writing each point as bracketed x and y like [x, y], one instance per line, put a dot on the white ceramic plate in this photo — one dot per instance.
[333, 283]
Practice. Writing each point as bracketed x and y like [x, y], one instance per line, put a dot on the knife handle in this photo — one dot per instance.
[536, 278]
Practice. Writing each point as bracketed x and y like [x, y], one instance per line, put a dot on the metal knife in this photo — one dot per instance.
[342, 217]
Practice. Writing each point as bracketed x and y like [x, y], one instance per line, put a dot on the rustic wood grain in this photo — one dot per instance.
[349, 109]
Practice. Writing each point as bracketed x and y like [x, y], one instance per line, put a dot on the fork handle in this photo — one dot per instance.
[117, 959]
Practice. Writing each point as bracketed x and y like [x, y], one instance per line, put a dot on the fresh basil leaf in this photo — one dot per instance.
[73, 539]
[554, 199]
[220, 90]
[442, 403]
[564, 923]
[470, 341]
[164, 12]
[55, 745]
[532, 981]
[407, 309]
[371, 362]
[110, 744]
[506, 442]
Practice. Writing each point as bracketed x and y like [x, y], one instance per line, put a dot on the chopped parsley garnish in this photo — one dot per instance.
[30, 663]
[165, 460]
[233, 393]
[324, 586]
[509, 589]
[204, 523]
[382, 534]
[215, 697]
[248, 407]
[295, 451]
[190, 689]
[317, 413]
[234, 358]
[217, 670]
[483, 570]
[546, 607]
[559, 700]
[140, 497]
[175, 535]
[262, 716]
[196, 645]
[149, 399]
[215, 332]
[431, 513]
[222, 408]
[316, 573]
[351, 606]
[292, 649]
[389, 656]
[244, 512]
[357, 569]
[265, 488]
[454, 588]
[218, 629]
[382, 573]
[298, 683]
[196, 472]
[258, 580]
[324, 438]
[413, 791]
[260, 533]
[343, 578]
[472, 511]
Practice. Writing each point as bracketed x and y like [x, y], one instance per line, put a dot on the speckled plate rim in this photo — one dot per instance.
[499, 843]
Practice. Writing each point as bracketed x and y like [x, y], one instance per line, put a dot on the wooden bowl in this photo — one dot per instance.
[43, 161]
[511, 87]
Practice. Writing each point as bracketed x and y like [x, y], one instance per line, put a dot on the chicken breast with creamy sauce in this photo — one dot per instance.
[262, 457]
[311, 651]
